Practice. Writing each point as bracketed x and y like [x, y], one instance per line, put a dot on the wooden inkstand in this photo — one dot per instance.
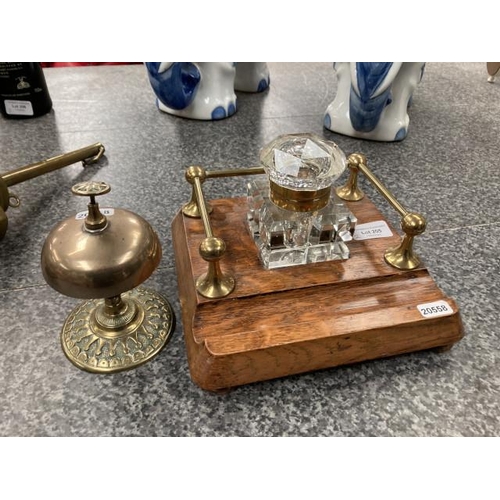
[244, 323]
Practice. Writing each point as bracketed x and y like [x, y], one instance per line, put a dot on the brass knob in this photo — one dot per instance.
[403, 256]
[105, 259]
[91, 188]
[95, 220]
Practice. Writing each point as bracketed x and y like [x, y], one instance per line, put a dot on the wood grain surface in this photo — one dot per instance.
[303, 318]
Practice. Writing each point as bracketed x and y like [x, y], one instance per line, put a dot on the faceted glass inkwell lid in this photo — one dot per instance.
[303, 162]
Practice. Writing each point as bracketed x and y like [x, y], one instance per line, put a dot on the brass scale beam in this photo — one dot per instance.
[87, 155]
[216, 284]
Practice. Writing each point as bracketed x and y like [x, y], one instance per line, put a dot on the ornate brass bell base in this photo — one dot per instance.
[105, 336]
[293, 320]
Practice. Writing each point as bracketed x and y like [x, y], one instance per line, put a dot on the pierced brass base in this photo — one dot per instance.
[97, 348]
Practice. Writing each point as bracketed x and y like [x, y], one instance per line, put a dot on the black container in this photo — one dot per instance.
[23, 90]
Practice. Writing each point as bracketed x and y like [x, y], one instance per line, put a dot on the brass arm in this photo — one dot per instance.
[412, 223]
[214, 283]
[87, 155]
[190, 209]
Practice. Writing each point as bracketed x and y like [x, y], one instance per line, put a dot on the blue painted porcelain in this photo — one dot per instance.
[176, 86]
[372, 99]
[204, 91]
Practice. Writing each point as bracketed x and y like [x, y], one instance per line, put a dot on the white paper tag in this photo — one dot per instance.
[370, 230]
[434, 309]
[13, 107]
[104, 211]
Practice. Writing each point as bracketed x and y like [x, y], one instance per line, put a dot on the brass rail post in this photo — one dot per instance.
[190, 209]
[214, 283]
[412, 223]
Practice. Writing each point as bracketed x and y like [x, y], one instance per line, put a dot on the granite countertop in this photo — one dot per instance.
[447, 168]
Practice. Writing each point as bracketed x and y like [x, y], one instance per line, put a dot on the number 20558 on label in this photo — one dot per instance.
[434, 309]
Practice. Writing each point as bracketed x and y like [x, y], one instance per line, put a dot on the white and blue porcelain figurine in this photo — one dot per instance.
[204, 91]
[372, 99]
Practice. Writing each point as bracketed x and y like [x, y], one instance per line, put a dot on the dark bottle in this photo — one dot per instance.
[23, 90]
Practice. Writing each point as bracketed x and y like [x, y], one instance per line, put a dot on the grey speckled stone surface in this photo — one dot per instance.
[447, 168]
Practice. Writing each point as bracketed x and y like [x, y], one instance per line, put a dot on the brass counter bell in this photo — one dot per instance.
[104, 258]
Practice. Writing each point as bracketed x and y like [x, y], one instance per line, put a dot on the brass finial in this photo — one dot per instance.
[403, 256]
[191, 209]
[95, 219]
[214, 283]
[351, 191]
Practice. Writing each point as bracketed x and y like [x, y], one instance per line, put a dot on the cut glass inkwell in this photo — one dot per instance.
[294, 215]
